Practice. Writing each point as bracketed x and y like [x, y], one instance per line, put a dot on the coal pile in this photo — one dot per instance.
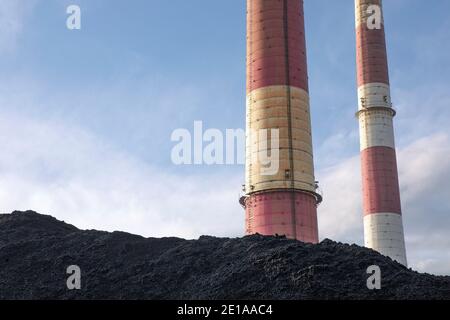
[35, 251]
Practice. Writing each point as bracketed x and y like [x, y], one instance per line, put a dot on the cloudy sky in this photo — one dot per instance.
[86, 116]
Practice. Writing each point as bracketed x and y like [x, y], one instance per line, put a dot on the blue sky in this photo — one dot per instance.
[86, 116]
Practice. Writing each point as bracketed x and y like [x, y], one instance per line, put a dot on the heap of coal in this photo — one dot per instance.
[35, 251]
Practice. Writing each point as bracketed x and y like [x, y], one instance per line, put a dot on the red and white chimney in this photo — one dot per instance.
[284, 202]
[383, 226]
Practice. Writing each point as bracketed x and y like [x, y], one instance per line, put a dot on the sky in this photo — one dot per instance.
[86, 116]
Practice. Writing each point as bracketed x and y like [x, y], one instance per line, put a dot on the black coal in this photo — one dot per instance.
[35, 251]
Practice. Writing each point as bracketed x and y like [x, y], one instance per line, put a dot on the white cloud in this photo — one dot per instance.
[340, 213]
[424, 168]
[61, 170]
[332, 150]
[12, 15]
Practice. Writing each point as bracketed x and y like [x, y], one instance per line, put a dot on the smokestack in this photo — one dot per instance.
[282, 202]
[383, 226]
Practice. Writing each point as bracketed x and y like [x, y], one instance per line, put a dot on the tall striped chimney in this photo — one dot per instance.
[284, 202]
[383, 226]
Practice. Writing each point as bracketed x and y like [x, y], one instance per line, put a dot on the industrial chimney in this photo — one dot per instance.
[284, 202]
[383, 227]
